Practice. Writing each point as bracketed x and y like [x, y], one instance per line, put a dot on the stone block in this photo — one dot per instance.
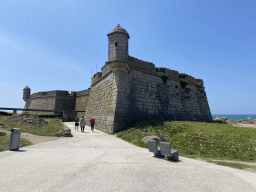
[152, 146]
[68, 132]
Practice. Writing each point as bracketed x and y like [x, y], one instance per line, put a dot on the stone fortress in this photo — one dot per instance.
[128, 90]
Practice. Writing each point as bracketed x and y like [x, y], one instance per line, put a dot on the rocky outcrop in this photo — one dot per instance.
[224, 119]
[28, 119]
[154, 137]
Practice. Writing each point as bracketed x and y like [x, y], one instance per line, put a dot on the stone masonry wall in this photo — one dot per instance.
[144, 96]
[82, 98]
[65, 103]
[152, 99]
[139, 64]
[121, 50]
[47, 103]
[52, 100]
[102, 103]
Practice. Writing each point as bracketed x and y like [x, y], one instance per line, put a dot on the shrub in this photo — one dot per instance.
[164, 77]
[198, 85]
[182, 75]
[183, 83]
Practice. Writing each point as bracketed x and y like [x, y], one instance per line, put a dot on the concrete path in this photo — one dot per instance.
[101, 162]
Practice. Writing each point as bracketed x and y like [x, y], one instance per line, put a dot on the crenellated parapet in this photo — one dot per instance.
[105, 70]
[121, 67]
[96, 77]
[191, 80]
[50, 94]
[83, 93]
[143, 65]
[118, 67]
[200, 81]
[172, 74]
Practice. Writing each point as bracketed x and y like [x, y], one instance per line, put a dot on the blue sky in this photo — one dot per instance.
[53, 45]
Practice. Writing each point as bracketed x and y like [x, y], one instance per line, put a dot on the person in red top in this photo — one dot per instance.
[92, 122]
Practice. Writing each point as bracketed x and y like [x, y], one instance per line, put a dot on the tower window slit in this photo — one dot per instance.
[115, 44]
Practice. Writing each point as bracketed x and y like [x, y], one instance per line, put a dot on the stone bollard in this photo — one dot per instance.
[68, 133]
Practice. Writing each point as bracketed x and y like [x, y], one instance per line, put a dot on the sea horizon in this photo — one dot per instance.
[235, 116]
[228, 116]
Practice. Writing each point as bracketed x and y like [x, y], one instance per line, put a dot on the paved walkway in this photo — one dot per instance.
[101, 162]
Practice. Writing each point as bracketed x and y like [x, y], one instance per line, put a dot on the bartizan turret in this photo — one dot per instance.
[26, 93]
[118, 58]
[118, 44]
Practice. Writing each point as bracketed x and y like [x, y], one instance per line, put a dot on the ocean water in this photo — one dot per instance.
[235, 116]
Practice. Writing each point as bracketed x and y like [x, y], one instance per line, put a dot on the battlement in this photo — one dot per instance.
[135, 63]
[139, 64]
[96, 77]
[50, 94]
[200, 81]
[83, 93]
[191, 80]
[172, 74]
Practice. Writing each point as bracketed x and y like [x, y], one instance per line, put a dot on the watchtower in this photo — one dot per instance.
[118, 44]
[26, 93]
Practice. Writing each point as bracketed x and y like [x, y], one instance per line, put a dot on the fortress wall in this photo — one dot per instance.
[83, 93]
[82, 98]
[96, 77]
[200, 81]
[172, 74]
[105, 70]
[144, 96]
[153, 99]
[102, 103]
[138, 64]
[49, 94]
[191, 80]
[65, 103]
[46, 103]
[52, 100]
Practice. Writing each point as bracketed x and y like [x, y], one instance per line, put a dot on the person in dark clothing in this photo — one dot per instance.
[76, 123]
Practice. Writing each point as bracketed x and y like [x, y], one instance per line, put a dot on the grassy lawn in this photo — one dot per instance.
[207, 141]
[53, 128]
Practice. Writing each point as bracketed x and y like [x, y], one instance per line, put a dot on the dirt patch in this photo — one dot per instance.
[29, 119]
[32, 138]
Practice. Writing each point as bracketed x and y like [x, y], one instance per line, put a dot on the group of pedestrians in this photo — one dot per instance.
[83, 123]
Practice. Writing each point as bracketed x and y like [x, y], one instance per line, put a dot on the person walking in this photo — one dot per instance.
[76, 123]
[82, 123]
[92, 122]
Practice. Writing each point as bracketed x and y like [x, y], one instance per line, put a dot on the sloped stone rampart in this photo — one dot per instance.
[152, 99]
[102, 103]
[82, 98]
[144, 96]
